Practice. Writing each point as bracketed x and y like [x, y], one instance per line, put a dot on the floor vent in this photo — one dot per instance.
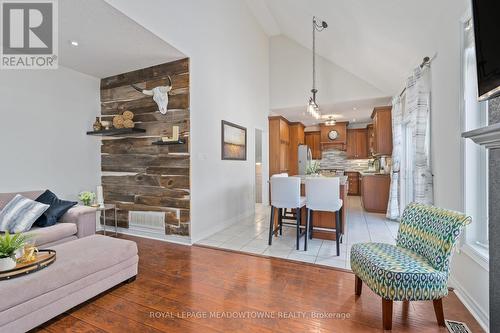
[147, 221]
[457, 327]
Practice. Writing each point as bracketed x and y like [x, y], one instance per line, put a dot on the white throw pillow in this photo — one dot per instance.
[20, 214]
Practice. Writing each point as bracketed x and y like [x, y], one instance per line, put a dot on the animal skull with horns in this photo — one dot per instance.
[160, 95]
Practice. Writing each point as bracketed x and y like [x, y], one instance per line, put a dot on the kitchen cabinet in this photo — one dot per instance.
[370, 139]
[279, 145]
[382, 131]
[353, 180]
[338, 142]
[357, 143]
[312, 140]
[375, 192]
[296, 135]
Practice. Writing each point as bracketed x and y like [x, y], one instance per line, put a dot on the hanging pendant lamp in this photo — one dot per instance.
[312, 106]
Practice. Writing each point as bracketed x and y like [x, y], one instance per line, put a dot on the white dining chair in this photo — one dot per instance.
[285, 194]
[323, 194]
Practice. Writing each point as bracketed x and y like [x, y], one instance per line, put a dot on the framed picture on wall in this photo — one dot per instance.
[234, 142]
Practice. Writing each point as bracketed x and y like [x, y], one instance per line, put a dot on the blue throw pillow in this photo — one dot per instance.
[56, 210]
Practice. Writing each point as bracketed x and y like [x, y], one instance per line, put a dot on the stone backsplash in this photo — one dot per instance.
[337, 159]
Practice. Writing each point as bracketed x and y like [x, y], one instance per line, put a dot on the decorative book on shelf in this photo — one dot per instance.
[117, 131]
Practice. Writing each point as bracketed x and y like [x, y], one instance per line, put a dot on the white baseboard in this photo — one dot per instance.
[182, 240]
[477, 312]
[223, 225]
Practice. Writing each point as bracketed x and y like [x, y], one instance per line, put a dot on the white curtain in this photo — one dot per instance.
[397, 117]
[418, 98]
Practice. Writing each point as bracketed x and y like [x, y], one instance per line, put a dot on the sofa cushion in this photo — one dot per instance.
[5, 198]
[20, 214]
[56, 210]
[75, 261]
[53, 233]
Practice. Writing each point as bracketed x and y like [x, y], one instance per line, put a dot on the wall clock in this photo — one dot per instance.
[333, 134]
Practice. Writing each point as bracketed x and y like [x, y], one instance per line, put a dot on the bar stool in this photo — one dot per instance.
[285, 194]
[323, 194]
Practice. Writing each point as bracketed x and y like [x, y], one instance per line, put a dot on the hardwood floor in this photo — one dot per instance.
[178, 285]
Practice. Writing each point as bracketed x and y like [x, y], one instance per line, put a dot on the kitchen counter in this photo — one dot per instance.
[343, 179]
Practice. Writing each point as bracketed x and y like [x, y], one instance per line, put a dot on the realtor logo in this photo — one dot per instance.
[29, 34]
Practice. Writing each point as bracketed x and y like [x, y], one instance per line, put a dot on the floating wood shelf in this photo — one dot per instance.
[117, 131]
[166, 143]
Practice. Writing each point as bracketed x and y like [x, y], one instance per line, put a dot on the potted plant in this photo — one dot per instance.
[9, 245]
[87, 197]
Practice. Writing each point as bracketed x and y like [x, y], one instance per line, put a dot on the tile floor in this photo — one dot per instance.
[251, 235]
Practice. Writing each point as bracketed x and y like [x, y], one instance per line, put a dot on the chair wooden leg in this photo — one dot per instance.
[310, 224]
[271, 226]
[387, 313]
[298, 228]
[358, 285]
[337, 232]
[438, 309]
[308, 216]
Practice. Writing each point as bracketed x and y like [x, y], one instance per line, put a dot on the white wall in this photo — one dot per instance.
[468, 276]
[229, 62]
[291, 77]
[44, 116]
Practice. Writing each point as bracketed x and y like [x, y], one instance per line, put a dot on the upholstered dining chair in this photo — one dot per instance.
[417, 267]
[285, 194]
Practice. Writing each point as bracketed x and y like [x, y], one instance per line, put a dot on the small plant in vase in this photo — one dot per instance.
[87, 198]
[312, 168]
[9, 245]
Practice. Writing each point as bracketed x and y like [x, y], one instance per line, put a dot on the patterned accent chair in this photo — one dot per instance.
[417, 268]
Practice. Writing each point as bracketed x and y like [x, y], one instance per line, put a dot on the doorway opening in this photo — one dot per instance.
[258, 165]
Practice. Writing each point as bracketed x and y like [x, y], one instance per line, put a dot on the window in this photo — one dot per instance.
[475, 157]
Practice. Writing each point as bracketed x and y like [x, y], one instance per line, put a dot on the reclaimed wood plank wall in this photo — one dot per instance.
[140, 176]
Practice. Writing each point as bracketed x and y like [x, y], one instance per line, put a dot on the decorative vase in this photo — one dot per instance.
[106, 124]
[97, 125]
[7, 264]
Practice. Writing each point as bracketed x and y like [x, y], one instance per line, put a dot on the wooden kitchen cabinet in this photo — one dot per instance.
[312, 140]
[375, 192]
[357, 143]
[353, 180]
[279, 145]
[341, 140]
[370, 139]
[382, 131]
[297, 137]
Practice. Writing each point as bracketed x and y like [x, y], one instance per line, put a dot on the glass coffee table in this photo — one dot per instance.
[103, 209]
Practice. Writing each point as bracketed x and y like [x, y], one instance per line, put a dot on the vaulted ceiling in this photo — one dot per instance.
[378, 41]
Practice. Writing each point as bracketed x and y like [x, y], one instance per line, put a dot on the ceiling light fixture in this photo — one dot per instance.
[331, 121]
[74, 43]
[312, 106]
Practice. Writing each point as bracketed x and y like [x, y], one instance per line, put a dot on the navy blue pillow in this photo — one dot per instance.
[56, 210]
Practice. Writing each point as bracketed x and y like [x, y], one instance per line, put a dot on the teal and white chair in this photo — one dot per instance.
[417, 267]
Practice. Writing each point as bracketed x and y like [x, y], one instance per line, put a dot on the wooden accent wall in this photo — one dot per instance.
[139, 176]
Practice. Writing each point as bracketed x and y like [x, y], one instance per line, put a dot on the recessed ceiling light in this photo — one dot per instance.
[73, 43]
[354, 108]
[354, 119]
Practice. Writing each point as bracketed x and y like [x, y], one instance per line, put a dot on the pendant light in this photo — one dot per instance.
[331, 121]
[312, 106]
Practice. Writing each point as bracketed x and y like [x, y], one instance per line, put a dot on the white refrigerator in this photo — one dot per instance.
[305, 158]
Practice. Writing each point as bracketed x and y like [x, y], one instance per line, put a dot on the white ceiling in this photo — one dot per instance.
[110, 43]
[380, 42]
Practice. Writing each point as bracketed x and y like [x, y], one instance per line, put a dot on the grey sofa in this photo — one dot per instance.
[78, 222]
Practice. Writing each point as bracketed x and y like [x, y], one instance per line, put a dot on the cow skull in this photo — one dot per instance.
[160, 95]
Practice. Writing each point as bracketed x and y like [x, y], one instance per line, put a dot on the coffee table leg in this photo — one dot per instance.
[104, 225]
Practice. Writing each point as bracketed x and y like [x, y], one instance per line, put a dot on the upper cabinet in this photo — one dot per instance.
[357, 143]
[334, 135]
[370, 139]
[382, 131]
[312, 140]
[279, 145]
[297, 138]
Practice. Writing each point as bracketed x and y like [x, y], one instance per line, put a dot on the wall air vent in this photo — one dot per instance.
[147, 221]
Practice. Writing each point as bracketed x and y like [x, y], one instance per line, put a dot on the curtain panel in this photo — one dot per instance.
[397, 148]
